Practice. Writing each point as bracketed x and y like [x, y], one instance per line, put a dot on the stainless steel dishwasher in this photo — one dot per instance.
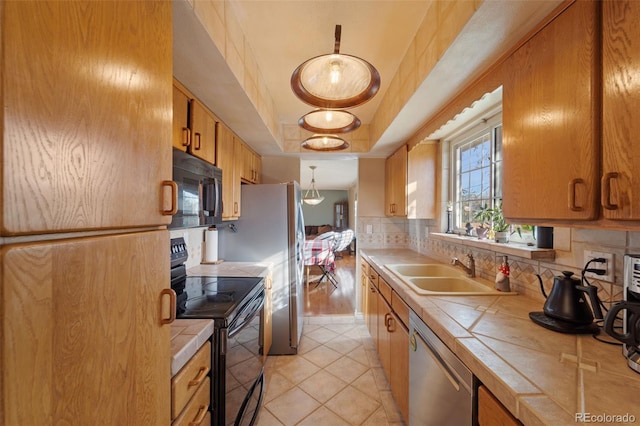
[440, 385]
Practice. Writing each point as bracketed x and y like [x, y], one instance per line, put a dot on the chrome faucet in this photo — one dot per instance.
[470, 270]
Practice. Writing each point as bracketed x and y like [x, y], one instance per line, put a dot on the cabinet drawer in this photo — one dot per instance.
[400, 308]
[364, 268]
[373, 276]
[197, 410]
[384, 289]
[187, 381]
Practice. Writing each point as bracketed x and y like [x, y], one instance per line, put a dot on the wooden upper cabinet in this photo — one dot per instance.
[620, 189]
[251, 165]
[396, 183]
[86, 115]
[422, 181]
[551, 121]
[230, 161]
[203, 132]
[80, 320]
[181, 130]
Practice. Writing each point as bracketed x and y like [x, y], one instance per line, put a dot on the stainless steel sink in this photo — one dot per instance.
[432, 279]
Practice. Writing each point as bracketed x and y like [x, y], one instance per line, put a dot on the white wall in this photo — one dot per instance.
[280, 169]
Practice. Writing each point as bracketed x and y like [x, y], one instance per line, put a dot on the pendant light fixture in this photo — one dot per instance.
[329, 121]
[312, 196]
[325, 143]
[335, 80]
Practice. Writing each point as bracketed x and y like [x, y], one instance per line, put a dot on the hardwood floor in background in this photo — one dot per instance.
[325, 299]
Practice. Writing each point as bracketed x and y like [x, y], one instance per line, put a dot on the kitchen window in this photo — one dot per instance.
[476, 157]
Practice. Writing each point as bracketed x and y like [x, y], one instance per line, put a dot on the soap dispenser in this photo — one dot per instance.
[502, 277]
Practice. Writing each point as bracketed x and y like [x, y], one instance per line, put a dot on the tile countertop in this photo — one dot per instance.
[188, 335]
[541, 376]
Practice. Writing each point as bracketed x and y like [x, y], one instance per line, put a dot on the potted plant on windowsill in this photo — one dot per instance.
[483, 216]
[500, 226]
[494, 217]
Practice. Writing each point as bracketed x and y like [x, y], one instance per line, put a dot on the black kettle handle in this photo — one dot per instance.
[633, 317]
[592, 291]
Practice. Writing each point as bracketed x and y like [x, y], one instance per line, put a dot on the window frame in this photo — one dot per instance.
[464, 137]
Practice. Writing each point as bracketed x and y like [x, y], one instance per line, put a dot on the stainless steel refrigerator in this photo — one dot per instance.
[271, 229]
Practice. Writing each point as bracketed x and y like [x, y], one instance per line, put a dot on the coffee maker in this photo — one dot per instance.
[630, 307]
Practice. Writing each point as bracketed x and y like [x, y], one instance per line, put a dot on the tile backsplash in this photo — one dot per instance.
[194, 237]
[569, 244]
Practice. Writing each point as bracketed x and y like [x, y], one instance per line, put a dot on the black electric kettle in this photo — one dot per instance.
[566, 309]
[631, 334]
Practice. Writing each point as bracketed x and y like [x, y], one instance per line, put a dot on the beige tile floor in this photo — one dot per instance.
[336, 379]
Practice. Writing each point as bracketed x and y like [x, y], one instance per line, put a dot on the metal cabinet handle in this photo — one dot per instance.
[235, 207]
[413, 345]
[202, 411]
[186, 136]
[198, 143]
[572, 195]
[202, 373]
[605, 194]
[174, 197]
[172, 305]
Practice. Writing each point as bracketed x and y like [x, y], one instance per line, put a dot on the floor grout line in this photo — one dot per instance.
[371, 408]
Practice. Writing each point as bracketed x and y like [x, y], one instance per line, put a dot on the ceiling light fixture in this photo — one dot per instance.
[335, 80]
[329, 121]
[312, 196]
[325, 143]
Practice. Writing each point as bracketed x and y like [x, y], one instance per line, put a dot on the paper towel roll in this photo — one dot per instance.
[211, 245]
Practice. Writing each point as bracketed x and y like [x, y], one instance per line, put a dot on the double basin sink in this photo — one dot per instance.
[432, 279]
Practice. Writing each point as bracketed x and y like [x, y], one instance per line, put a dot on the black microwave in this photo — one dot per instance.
[199, 192]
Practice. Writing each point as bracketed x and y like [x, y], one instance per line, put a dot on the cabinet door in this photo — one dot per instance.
[399, 354]
[491, 411]
[86, 115]
[400, 182]
[384, 335]
[372, 312]
[364, 296]
[238, 146]
[203, 132]
[550, 121]
[422, 182]
[388, 187]
[395, 183]
[181, 131]
[82, 320]
[227, 162]
[621, 103]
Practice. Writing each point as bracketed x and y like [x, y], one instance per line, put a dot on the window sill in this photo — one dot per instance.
[512, 248]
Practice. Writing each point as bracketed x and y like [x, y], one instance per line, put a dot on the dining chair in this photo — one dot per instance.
[342, 241]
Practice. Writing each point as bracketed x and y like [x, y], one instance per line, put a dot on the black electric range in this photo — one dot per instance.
[235, 304]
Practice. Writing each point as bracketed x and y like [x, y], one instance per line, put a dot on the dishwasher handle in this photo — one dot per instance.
[441, 363]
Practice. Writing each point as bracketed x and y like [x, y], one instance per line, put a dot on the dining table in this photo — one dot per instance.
[319, 252]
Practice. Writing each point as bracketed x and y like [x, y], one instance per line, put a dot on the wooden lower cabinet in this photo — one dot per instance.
[399, 376]
[191, 389]
[82, 336]
[391, 336]
[384, 336]
[491, 412]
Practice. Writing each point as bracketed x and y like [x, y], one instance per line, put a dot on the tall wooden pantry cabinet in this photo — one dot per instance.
[85, 200]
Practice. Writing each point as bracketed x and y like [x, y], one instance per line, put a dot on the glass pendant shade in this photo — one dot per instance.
[335, 80]
[325, 143]
[312, 196]
[329, 121]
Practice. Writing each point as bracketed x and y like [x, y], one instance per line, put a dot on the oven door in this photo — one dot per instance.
[244, 375]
